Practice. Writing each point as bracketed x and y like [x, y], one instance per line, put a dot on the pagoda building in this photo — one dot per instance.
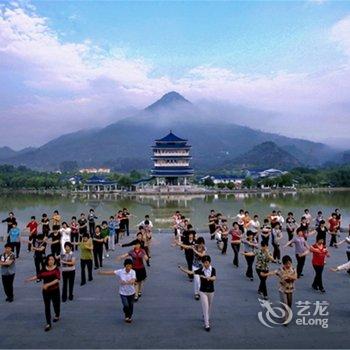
[171, 157]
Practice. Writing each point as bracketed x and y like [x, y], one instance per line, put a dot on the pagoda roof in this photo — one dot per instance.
[171, 145]
[172, 167]
[172, 171]
[171, 138]
[186, 172]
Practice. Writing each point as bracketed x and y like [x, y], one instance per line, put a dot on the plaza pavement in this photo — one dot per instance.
[167, 316]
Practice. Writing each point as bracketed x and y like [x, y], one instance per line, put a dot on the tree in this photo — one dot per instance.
[285, 180]
[125, 181]
[208, 182]
[135, 175]
[248, 182]
[230, 185]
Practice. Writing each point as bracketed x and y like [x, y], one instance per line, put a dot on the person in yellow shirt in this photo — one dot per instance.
[56, 220]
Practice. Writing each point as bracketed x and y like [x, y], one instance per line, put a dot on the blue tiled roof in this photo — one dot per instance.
[98, 180]
[172, 168]
[172, 171]
[172, 145]
[171, 138]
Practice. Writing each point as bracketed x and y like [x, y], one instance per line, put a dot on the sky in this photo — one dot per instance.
[71, 65]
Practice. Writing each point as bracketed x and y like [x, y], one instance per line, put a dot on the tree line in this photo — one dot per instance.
[24, 178]
[336, 176]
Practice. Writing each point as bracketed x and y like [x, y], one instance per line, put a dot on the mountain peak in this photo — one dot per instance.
[266, 155]
[169, 99]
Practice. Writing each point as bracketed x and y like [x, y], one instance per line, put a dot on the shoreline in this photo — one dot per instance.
[177, 193]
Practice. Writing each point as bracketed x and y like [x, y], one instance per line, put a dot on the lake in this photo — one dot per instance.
[161, 209]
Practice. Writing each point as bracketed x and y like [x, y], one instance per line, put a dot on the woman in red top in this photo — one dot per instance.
[333, 229]
[319, 252]
[50, 275]
[236, 236]
[32, 227]
[137, 255]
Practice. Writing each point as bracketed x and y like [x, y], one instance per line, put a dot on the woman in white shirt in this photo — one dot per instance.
[126, 278]
[240, 216]
[65, 232]
[254, 226]
[342, 267]
[280, 219]
[308, 216]
[347, 240]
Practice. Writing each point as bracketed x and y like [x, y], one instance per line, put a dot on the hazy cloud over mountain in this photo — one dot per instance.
[51, 84]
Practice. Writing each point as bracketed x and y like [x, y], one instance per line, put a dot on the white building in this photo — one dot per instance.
[272, 173]
[224, 179]
[95, 171]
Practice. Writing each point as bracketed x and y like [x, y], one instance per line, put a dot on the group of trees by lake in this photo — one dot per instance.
[305, 177]
[24, 178]
[298, 177]
[21, 177]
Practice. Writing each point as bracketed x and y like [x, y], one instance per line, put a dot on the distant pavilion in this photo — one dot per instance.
[171, 157]
[99, 184]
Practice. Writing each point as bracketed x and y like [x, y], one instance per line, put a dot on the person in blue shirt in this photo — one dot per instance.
[14, 238]
[112, 227]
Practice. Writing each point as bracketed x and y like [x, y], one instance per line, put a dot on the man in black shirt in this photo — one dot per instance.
[212, 219]
[322, 231]
[189, 240]
[91, 219]
[45, 225]
[187, 231]
[125, 221]
[38, 247]
[137, 240]
[10, 220]
[82, 225]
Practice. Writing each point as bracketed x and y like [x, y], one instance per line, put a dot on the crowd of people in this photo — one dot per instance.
[253, 239]
[57, 245]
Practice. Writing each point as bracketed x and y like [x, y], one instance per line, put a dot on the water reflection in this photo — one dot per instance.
[162, 207]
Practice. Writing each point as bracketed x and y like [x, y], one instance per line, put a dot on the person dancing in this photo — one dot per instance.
[127, 279]
[50, 275]
[207, 275]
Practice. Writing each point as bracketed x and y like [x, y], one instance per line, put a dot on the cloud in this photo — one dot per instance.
[57, 86]
[340, 34]
[317, 2]
[26, 40]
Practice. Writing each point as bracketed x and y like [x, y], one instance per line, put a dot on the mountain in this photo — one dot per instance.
[339, 158]
[346, 157]
[126, 144]
[7, 152]
[170, 100]
[263, 156]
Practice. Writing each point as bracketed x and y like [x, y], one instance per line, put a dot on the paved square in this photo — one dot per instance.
[167, 316]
